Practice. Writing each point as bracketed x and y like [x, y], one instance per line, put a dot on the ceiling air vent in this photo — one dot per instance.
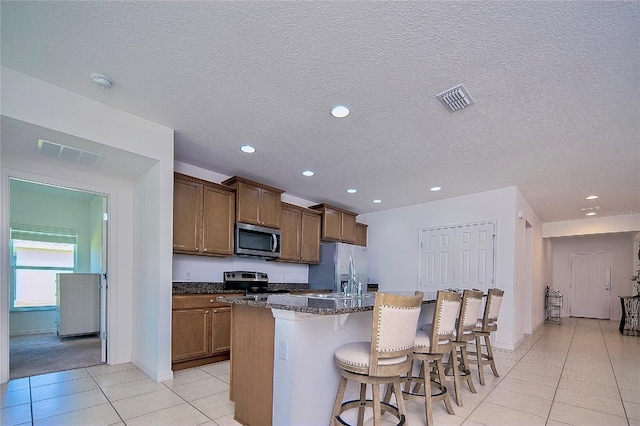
[68, 153]
[456, 98]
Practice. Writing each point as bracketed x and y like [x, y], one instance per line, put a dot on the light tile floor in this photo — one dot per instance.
[583, 372]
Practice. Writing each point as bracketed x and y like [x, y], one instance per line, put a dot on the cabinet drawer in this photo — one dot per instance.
[198, 301]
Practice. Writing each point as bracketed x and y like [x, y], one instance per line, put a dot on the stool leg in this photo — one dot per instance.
[339, 396]
[464, 361]
[397, 390]
[487, 341]
[428, 406]
[480, 359]
[442, 377]
[453, 361]
[377, 411]
[363, 397]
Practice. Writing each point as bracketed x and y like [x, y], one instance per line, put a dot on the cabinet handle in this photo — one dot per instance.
[196, 248]
[211, 301]
[204, 250]
[206, 312]
[215, 311]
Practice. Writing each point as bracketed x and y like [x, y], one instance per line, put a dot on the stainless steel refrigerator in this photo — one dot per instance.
[333, 271]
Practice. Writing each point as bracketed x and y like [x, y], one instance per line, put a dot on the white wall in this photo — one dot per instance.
[595, 225]
[210, 269]
[33, 101]
[530, 267]
[620, 245]
[393, 244]
[41, 209]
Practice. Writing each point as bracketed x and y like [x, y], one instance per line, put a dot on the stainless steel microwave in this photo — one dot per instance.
[257, 241]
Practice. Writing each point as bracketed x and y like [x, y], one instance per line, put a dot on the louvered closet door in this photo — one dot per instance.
[457, 257]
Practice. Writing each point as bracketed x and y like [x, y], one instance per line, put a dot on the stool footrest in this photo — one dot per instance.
[384, 407]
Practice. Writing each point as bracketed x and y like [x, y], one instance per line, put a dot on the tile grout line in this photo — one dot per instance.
[615, 377]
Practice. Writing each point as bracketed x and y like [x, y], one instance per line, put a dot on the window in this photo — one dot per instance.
[36, 257]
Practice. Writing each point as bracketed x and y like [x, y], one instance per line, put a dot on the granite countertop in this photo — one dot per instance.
[192, 287]
[325, 304]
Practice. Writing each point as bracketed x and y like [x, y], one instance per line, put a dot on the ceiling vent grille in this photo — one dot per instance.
[456, 98]
[68, 153]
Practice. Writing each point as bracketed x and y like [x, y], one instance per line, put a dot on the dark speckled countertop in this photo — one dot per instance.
[313, 305]
[191, 287]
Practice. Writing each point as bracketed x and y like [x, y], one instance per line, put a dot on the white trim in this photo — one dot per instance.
[112, 195]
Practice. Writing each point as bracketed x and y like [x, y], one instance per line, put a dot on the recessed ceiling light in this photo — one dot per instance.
[308, 173]
[592, 197]
[248, 149]
[352, 190]
[377, 201]
[436, 188]
[591, 214]
[340, 111]
[102, 80]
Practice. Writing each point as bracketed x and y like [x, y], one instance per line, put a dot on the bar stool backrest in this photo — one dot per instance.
[469, 311]
[395, 319]
[492, 309]
[444, 318]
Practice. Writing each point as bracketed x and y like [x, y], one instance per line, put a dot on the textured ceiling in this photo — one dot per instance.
[556, 87]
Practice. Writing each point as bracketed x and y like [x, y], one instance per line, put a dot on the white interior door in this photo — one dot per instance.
[103, 281]
[457, 257]
[590, 285]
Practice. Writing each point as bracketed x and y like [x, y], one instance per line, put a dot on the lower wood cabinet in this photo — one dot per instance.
[200, 331]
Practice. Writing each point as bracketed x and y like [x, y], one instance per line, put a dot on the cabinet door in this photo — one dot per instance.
[348, 228]
[331, 224]
[187, 215]
[310, 238]
[290, 234]
[270, 209]
[361, 234]
[218, 217]
[248, 199]
[190, 334]
[221, 337]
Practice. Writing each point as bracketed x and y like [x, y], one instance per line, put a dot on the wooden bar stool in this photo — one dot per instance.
[432, 342]
[464, 333]
[383, 360]
[484, 327]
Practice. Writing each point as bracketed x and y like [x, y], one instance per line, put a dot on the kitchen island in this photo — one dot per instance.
[282, 362]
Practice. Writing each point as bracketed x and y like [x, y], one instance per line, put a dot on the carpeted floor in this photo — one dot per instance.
[44, 353]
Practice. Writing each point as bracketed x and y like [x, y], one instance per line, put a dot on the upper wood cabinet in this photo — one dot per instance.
[256, 204]
[337, 224]
[203, 217]
[300, 235]
[361, 234]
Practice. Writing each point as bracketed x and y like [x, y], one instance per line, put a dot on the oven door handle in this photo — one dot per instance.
[274, 243]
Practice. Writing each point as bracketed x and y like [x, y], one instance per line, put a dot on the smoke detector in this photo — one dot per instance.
[455, 98]
[102, 80]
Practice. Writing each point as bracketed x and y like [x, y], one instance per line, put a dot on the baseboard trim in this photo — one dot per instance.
[31, 332]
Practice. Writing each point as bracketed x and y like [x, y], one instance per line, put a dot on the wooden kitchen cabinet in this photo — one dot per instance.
[361, 234]
[256, 204]
[203, 217]
[200, 330]
[337, 224]
[300, 234]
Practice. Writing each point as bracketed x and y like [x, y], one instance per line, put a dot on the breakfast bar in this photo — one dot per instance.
[282, 346]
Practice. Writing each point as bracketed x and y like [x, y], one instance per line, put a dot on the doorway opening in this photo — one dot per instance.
[57, 282]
